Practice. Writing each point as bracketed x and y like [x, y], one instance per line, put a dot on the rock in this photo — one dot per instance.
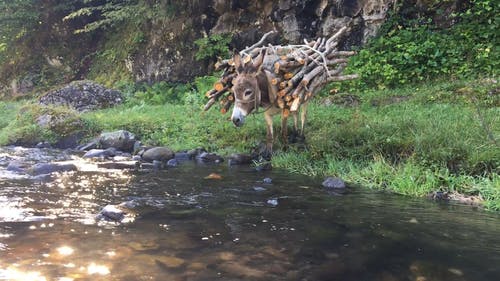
[334, 183]
[100, 153]
[169, 261]
[172, 162]
[158, 165]
[125, 165]
[147, 166]
[206, 157]
[183, 156]
[273, 202]
[162, 154]
[43, 144]
[111, 212]
[117, 213]
[17, 166]
[70, 141]
[121, 140]
[267, 180]
[91, 145]
[48, 168]
[240, 159]
[83, 96]
[265, 166]
[145, 245]
[259, 188]
[194, 153]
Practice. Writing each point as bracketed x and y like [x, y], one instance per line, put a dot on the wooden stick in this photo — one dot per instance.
[209, 104]
[295, 104]
[225, 107]
[210, 92]
[309, 76]
[342, 78]
[260, 42]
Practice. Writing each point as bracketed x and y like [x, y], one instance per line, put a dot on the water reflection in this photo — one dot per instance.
[186, 227]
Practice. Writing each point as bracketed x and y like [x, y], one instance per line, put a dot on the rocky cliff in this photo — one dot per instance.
[164, 47]
[169, 53]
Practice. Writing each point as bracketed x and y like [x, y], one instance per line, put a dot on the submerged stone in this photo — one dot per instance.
[100, 153]
[267, 180]
[111, 212]
[240, 159]
[172, 163]
[48, 168]
[334, 183]
[206, 157]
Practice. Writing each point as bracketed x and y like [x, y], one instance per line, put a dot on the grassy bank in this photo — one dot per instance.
[412, 141]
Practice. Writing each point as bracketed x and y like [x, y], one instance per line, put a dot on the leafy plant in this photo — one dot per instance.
[213, 46]
[413, 50]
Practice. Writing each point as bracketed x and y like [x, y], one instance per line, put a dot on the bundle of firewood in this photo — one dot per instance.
[295, 72]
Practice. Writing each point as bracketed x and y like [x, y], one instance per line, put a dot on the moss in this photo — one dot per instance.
[35, 123]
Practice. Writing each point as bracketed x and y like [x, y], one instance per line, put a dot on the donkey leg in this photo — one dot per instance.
[303, 118]
[293, 136]
[269, 136]
[284, 130]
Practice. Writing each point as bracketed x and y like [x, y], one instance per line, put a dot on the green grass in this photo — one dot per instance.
[412, 141]
[179, 126]
[442, 137]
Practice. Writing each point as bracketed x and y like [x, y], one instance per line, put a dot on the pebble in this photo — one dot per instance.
[112, 212]
[172, 162]
[267, 180]
[272, 202]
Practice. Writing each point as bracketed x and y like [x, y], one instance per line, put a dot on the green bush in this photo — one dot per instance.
[411, 51]
[213, 46]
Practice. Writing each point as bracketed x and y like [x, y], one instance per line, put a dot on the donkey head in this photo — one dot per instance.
[246, 90]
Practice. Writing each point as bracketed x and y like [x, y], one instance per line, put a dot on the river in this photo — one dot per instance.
[181, 225]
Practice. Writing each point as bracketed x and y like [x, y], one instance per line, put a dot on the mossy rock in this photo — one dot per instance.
[59, 125]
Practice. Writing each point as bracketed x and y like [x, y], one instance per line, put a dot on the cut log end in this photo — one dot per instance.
[285, 112]
[218, 86]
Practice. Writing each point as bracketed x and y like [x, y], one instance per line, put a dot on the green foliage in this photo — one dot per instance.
[161, 93]
[8, 111]
[410, 51]
[108, 14]
[213, 46]
[411, 141]
[33, 123]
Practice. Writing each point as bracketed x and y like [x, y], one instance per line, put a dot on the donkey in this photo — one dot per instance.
[252, 89]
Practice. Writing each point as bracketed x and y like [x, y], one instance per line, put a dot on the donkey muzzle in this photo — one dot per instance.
[238, 117]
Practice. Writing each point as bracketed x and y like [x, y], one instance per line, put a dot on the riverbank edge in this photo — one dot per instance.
[378, 139]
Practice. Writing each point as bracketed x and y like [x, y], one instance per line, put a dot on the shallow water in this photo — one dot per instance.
[182, 226]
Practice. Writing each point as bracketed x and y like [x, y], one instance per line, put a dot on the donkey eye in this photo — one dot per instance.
[247, 93]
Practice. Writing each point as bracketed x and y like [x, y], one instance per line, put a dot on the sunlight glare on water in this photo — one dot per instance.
[179, 225]
[13, 274]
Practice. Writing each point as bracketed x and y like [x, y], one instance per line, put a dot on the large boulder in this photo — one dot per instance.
[83, 96]
[120, 140]
[162, 154]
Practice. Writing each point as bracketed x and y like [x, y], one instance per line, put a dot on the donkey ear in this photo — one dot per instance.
[238, 64]
[259, 60]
